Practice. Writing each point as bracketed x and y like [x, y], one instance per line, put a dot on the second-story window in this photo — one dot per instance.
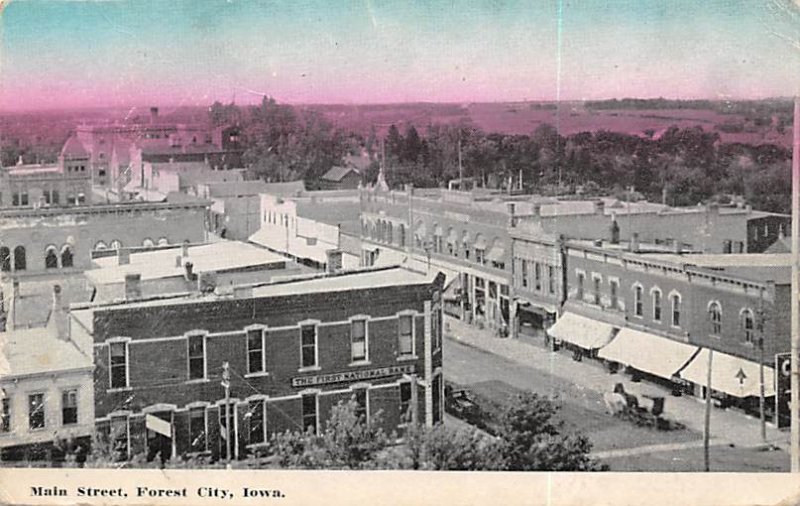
[596, 281]
[5, 415]
[36, 418]
[613, 287]
[524, 272]
[118, 365]
[255, 351]
[715, 317]
[638, 309]
[405, 335]
[537, 276]
[580, 281]
[69, 407]
[748, 326]
[308, 346]
[358, 340]
[197, 357]
[657, 305]
[676, 310]
[551, 280]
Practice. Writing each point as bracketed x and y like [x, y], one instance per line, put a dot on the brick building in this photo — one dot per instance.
[295, 349]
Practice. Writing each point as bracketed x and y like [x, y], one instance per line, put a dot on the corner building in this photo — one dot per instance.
[294, 349]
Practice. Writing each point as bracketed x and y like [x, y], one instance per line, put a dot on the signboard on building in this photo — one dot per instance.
[783, 366]
[340, 377]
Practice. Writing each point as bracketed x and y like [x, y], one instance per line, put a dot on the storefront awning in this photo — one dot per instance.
[581, 331]
[648, 352]
[496, 254]
[731, 375]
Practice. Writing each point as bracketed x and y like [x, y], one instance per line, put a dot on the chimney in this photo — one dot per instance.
[123, 256]
[634, 243]
[243, 292]
[153, 115]
[188, 271]
[334, 263]
[599, 207]
[59, 314]
[133, 286]
[614, 231]
[206, 281]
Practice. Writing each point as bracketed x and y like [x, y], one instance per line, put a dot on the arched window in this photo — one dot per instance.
[437, 238]
[66, 256]
[465, 244]
[656, 293]
[115, 244]
[163, 241]
[51, 258]
[715, 317]
[148, 243]
[20, 262]
[638, 306]
[5, 259]
[100, 246]
[389, 233]
[748, 326]
[675, 300]
[401, 233]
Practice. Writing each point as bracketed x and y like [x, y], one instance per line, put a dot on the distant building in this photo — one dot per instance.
[292, 355]
[185, 268]
[46, 391]
[340, 178]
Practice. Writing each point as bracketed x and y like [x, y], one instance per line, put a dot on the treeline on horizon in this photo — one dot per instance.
[681, 167]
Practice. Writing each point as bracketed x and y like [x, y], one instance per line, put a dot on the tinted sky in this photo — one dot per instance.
[76, 53]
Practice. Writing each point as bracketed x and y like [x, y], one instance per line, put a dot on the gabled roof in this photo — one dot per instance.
[73, 148]
[338, 173]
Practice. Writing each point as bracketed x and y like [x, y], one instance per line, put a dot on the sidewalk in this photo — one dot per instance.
[726, 426]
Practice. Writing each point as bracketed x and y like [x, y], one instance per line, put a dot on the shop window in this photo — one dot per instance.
[437, 398]
[120, 437]
[118, 365]
[405, 401]
[310, 413]
[197, 430]
[69, 407]
[36, 418]
[360, 397]
[255, 413]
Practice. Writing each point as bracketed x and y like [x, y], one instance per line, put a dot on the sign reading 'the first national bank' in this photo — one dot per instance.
[340, 377]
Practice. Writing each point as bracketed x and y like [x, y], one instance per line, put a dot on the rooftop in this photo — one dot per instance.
[753, 266]
[39, 351]
[32, 169]
[73, 148]
[212, 257]
[330, 212]
[338, 173]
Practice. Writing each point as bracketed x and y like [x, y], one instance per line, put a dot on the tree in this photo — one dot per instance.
[535, 441]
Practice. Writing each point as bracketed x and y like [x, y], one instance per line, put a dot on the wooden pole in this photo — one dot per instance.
[707, 425]
[795, 344]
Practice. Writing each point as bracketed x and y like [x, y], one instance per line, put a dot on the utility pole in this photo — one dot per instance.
[795, 347]
[761, 401]
[707, 424]
[460, 167]
[226, 384]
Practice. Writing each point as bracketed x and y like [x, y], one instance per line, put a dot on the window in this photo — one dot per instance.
[36, 411]
[715, 317]
[436, 328]
[147, 243]
[15, 199]
[676, 310]
[638, 309]
[437, 398]
[255, 351]
[197, 430]
[197, 357]
[69, 407]
[405, 401]
[118, 365]
[405, 335]
[308, 346]
[19, 258]
[726, 246]
[537, 276]
[51, 258]
[100, 246]
[657, 305]
[580, 279]
[119, 436]
[55, 198]
[551, 279]
[310, 413]
[480, 256]
[748, 326]
[5, 259]
[524, 273]
[163, 241]
[358, 340]
[24, 198]
[66, 257]
[596, 280]
[5, 415]
[613, 287]
[256, 414]
[360, 397]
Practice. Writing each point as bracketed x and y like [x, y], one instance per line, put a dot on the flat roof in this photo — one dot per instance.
[756, 266]
[39, 351]
[159, 264]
